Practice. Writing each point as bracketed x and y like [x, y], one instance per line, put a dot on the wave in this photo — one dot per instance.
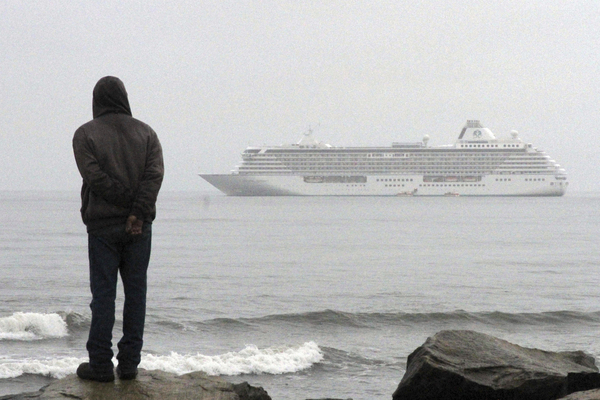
[320, 318]
[377, 320]
[32, 326]
[37, 326]
[54, 368]
[250, 360]
[75, 321]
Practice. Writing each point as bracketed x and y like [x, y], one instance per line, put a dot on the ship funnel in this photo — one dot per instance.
[473, 130]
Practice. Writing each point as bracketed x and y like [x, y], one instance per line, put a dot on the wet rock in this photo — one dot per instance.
[455, 365]
[247, 392]
[149, 385]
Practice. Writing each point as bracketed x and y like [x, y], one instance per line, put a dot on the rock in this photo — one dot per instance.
[455, 365]
[247, 392]
[149, 385]
[587, 395]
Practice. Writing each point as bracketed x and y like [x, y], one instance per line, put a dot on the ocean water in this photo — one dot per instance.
[306, 297]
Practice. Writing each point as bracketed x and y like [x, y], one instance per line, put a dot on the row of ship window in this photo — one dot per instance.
[442, 184]
[419, 172]
[526, 179]
[489, 145]
[451, 184]
[349, 165]
[455, 170]
[428, 185]
[420, 162]
[406, 165]
[403, 160]
[497, 180]
[514, 161]
[384, 154]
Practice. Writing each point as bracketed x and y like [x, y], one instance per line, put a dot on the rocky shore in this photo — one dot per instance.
[451, 365]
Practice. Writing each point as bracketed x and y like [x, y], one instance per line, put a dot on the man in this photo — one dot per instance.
[120, 161]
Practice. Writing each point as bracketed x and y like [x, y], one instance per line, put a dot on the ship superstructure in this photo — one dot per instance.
[477, 164]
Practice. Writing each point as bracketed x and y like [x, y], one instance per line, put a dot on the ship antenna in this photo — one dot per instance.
[310, 129]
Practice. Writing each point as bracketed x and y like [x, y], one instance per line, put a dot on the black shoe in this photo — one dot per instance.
[84, 371]
[126, 373]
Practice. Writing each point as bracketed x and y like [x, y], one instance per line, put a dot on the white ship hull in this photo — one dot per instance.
[387, 185]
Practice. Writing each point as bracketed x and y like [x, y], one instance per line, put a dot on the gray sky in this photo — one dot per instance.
[212, 77]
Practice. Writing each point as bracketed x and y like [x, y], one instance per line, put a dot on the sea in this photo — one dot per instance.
[307, 297]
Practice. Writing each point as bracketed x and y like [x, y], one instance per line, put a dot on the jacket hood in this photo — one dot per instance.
[110, 97]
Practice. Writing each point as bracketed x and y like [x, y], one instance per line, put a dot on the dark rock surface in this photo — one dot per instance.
[149, 385]
[455, 365]
[587, 395]
[247, 392]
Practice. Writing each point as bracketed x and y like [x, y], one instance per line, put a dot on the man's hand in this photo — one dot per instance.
[133, 226]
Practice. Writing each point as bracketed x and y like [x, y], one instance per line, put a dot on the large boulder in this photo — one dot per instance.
[149, 385]
[455, 365]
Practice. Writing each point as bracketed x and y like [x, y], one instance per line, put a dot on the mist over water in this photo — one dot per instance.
[307, 297]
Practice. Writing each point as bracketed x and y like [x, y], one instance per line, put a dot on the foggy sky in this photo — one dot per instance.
[212, 77]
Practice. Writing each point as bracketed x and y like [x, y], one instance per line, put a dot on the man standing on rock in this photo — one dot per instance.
[120, 161]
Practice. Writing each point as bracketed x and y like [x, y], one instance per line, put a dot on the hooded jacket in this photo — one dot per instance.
[120, 161]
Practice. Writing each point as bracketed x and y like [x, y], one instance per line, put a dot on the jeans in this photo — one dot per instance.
[112, 251]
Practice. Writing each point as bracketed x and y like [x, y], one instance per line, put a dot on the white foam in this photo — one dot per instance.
[250, 360]
[55, 368]
[32, 326]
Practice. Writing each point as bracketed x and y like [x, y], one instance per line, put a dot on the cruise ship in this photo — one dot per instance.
[477, 164]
